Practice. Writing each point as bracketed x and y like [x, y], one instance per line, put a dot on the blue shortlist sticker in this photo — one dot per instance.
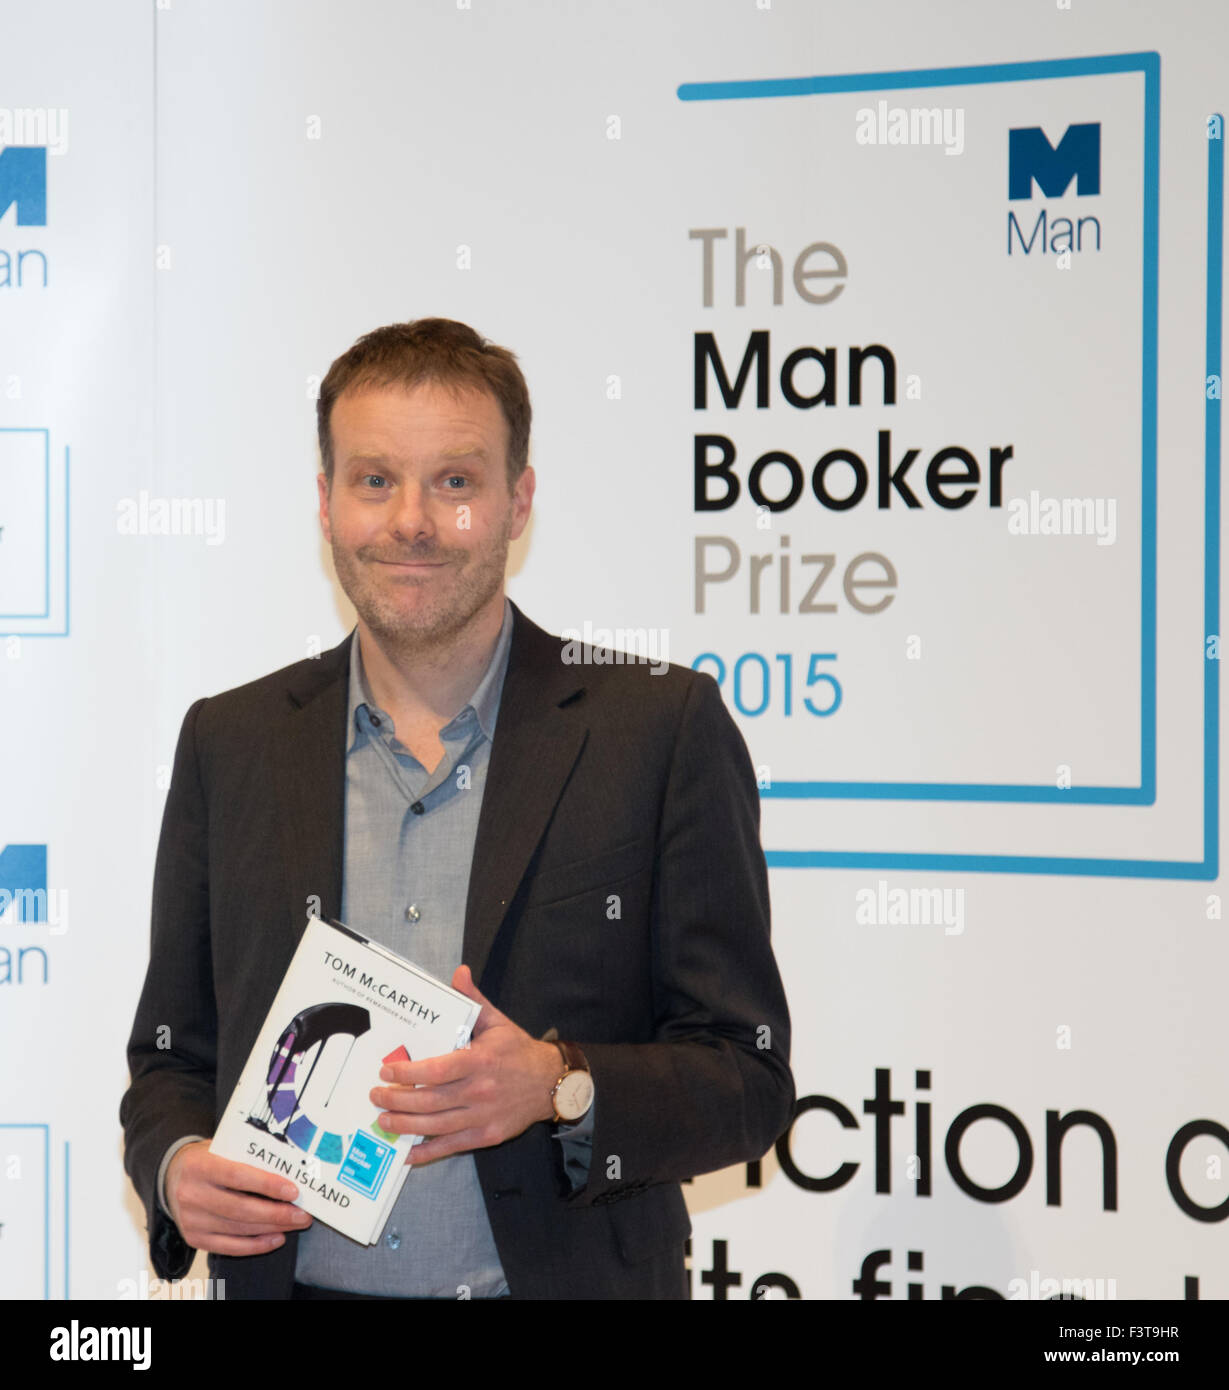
[366, 1164]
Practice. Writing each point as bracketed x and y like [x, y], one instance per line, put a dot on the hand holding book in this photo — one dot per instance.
[475, 1097]
[302, 1108]
[230, 1208]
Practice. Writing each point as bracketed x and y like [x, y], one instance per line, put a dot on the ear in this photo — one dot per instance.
[522, 501]
[322, 488]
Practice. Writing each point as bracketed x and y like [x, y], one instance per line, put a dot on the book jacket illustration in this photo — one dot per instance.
[302, 1107]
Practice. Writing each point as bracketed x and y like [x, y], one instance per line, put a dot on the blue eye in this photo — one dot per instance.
[367, 477]
[457, 477]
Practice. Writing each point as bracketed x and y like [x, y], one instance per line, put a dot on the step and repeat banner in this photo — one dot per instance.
[875, 355]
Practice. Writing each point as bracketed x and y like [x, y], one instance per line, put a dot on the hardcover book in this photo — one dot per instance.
[302, 1106]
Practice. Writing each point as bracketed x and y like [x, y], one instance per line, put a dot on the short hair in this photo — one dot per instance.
[430, 350]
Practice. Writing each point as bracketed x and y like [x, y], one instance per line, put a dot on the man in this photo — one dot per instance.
[580, 838]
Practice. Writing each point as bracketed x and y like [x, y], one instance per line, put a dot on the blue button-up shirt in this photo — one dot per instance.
[409, 845]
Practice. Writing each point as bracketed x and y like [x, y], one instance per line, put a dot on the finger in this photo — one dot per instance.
[460, 1142]
[233, 1206]
[444, 1122]
[431, 1071]
[245, 1177]
[219, 1244]
[220, 1225]
[428, 1100]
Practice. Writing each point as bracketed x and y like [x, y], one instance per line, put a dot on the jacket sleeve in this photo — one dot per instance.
[172, 1048]
[714, 1087]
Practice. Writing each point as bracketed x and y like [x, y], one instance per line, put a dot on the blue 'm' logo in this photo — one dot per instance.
[23, 880]
[23, 180]
[1030, 156]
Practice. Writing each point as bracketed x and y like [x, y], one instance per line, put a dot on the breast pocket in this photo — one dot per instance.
[598, 873]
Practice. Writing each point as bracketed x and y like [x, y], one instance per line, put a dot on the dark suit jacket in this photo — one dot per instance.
[603, 780]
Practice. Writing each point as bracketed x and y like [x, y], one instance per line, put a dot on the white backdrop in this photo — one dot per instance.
[234, 192]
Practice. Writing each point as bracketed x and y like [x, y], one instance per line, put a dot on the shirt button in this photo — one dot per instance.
[412, 913]
[392, 1240]
[417, 808]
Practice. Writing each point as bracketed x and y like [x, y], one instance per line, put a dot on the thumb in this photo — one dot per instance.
[463, 983]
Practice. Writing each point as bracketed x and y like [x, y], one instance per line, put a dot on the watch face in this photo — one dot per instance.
[574, 1095]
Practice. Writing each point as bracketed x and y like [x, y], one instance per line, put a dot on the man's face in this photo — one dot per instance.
[419, 514]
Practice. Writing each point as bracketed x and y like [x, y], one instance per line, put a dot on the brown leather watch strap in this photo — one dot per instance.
[573, 1058]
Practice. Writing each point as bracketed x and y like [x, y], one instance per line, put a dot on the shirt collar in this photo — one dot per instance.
[484, 701]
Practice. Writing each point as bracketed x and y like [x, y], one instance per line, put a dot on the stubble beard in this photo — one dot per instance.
[429, 627]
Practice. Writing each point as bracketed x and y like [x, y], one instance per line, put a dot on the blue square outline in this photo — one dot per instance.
[1207, 867]
[377, 1183]
[46, 1130]
[1149, 64]
[35, 429]
[46, 613]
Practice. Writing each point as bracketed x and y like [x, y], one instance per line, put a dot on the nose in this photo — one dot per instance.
[411, 521]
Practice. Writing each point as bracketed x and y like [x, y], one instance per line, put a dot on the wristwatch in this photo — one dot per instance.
[573, 1092]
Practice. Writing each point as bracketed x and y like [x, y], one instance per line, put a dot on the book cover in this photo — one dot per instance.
[302, 1106]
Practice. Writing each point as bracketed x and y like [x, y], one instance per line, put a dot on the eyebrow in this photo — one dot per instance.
[475, 451]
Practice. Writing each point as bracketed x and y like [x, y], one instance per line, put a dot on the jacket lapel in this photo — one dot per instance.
[539, 733]
[311, 785]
